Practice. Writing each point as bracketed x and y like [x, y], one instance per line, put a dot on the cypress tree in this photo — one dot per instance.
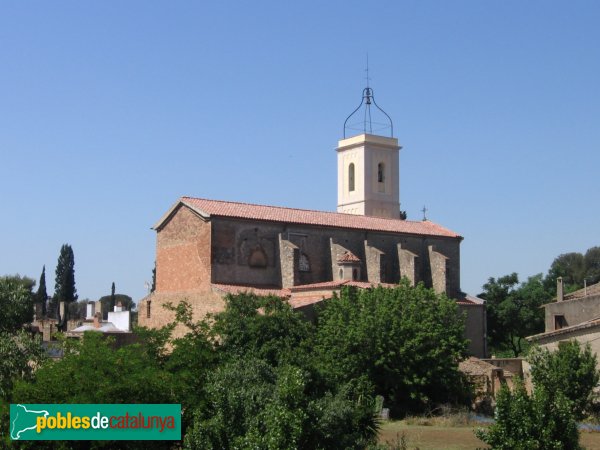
[41, 295]
[112, 297]
[64, 288]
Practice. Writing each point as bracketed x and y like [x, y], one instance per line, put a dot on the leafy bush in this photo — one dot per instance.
[407, 341]
[570, 370]
[538, 422]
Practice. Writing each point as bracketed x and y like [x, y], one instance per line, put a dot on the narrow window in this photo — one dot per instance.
[341, 274]
[559, 322]
[148, 303]
[380, 172]
[351, 177]
[304, 263]
[354, 274]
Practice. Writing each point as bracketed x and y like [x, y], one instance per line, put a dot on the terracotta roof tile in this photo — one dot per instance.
[336, 284]
[594, 289]
[348, 257]
[476, 367]
[218, 208]
[305, 301]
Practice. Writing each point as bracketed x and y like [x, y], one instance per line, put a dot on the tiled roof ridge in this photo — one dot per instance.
[281, 214]
[306, 210]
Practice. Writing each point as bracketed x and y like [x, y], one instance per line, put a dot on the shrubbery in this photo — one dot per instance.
[259, 375]
[538, 422]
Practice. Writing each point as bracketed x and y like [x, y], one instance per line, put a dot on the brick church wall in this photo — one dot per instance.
[183, 248]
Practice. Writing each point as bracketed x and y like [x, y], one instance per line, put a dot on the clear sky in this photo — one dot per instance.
[110, 111]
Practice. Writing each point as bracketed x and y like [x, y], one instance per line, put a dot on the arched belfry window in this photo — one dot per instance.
[380, 172]
[351, 177]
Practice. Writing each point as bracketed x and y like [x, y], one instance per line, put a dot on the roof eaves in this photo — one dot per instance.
[173, 209]
[580, 326]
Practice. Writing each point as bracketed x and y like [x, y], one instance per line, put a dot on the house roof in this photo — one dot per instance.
[592, 323]
[348, 257]
[209, 208]
[476, 367]
[308, 294]
[588, 291]
[594, 289]
[336, 284]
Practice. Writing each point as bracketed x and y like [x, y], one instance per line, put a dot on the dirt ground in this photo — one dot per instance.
[452, 438]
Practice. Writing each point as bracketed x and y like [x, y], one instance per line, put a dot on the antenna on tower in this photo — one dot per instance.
[367, 70]
[367, 124]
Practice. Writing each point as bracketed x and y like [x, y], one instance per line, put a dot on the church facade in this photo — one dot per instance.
[206, 249]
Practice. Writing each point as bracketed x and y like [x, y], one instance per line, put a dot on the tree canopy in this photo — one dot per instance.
[571, 370]
[407, 342]
[574, 268]
[513, 311]
[16, 302]
[259, 375]
[537, 422]
[20, 353]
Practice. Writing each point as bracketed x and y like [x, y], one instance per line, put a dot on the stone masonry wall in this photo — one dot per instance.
[234, 240]
[438, 268]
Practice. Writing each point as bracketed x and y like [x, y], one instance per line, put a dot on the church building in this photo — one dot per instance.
[206, 249]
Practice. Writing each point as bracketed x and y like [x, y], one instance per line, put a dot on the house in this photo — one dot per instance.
[206, 249]
[572, 316]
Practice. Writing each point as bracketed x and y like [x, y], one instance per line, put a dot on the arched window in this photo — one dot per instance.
[351, 177]
[380, 172]
[354, 274]
[148, 308]
[341, 274]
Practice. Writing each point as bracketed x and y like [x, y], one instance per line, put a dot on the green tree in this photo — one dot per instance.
[94, 371]
[112, 297]
[64, 287]
[264, 327]
[569, 266]
[126, 302]
[407, 341]
[513, 311]
[16, 302]
[20, 353]
[190, 358]
[592, 265]
[254, 405]
[542, 421]
[571, 370]
[41, 295]
[78, 309]
[249, 372]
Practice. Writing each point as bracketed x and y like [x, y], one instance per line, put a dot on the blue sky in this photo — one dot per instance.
[109, 111]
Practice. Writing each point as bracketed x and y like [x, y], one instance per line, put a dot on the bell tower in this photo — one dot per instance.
[368, 165]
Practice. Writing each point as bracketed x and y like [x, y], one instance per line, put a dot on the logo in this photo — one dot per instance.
[95, 422]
